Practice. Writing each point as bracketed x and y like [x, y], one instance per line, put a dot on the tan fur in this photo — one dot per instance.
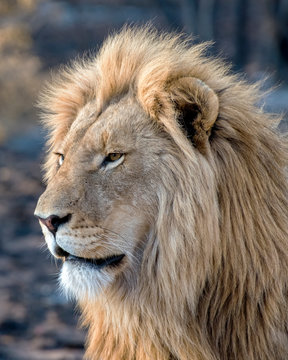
[206, 271]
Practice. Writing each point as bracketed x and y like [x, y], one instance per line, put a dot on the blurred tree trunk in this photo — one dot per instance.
[227, 22]
[241, 31]
[188, 12]
[206, 19]
[198, 17]
[281, 20]
[262, 51]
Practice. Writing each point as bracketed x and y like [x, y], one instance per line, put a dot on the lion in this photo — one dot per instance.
[166, 199]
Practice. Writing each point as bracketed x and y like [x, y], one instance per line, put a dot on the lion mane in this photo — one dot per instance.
[213, 278]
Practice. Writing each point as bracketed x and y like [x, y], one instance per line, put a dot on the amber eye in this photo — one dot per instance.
[113, 157]
[112, 160]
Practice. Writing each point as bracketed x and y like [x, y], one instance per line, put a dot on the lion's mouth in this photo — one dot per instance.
[111, 261]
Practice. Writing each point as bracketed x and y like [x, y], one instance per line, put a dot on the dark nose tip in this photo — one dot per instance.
[52, 222]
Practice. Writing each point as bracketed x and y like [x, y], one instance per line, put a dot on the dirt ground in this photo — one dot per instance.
[36, 321]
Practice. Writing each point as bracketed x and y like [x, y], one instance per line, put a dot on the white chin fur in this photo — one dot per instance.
[82, 282]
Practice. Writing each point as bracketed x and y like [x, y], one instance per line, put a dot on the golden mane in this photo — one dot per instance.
[221, 292]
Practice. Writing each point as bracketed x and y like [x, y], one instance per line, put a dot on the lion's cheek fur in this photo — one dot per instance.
[85, 283]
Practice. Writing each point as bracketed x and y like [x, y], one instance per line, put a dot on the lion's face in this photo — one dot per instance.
[97, 210]
[113, 181]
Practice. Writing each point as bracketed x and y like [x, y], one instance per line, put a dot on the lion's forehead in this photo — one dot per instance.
[116, 128]
[83, 121]
[85, 117]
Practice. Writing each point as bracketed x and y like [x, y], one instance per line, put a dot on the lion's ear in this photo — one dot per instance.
[197, 106]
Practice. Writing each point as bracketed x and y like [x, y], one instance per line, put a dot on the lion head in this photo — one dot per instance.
[166, 200]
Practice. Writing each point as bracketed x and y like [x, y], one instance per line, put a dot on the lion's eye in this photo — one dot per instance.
[113, 157]
[60, 159]
[112, 160]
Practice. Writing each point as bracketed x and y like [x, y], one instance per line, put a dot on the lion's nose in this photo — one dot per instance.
[52, 222]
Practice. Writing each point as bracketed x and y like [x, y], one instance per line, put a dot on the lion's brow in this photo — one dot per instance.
[85, 118]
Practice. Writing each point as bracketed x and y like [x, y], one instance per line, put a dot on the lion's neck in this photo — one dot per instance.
[122, 333]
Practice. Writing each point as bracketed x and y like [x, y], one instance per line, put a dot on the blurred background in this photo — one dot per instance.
[36, 36]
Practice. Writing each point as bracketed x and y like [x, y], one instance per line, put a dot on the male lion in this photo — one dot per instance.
[167, 201]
